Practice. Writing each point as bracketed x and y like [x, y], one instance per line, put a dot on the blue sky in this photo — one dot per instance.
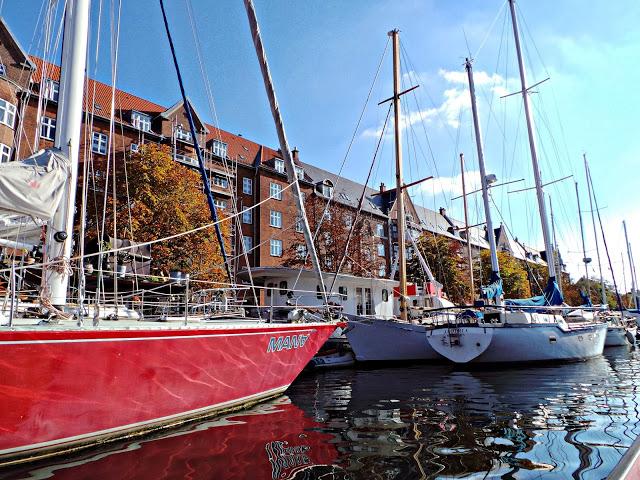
[323, 57]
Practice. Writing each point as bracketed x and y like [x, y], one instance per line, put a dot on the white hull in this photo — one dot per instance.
[388, 340]
[618, 336]
[526, 343]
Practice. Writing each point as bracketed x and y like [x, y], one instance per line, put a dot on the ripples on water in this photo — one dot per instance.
[566, 421]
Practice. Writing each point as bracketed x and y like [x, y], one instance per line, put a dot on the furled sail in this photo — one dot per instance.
[494, 289]
[30, 193]
[550, 296]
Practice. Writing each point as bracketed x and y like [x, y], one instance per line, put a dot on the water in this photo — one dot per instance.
[565, 421]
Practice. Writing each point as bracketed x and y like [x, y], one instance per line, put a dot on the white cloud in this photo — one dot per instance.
[450, 187]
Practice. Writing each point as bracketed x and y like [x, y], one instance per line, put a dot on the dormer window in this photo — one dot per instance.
[326, 188]
[51, 90]
[278, 165]
[219, 149]
[141, 121]
[184, 135]
[300, 173]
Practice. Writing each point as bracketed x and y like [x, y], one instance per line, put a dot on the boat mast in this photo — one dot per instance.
[633, 280]
[556, 250]
[69, 119]
[585, 259]
[284, 144]
[595, 231]
[466, 226]
[546, 233]
[495, 267]
[401, 219]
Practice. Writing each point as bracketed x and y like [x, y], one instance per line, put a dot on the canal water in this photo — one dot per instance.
[570, 421]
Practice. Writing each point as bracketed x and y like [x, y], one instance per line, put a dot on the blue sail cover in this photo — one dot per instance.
[551, 296]
[586, 299]
[494, 289]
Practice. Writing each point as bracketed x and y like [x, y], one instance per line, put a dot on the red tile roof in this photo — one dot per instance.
[238, 148]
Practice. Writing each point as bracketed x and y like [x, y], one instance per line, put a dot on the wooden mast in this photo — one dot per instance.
[466, 227]
[400, 213]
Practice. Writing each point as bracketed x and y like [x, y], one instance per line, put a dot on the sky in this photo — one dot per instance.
[324, 56]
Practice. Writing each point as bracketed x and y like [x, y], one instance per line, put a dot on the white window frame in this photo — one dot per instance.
[48, 128]
[301, 251]
[7, 113]
[183, 135]
[99, 142]
[219, 203]
[51, 90]
[379, 230]
[141, 121]
[278, 164]
[382, 251]
[299, 224]
[300, 173]
[247, 185]
[219, 148]
[220, 181]
[5, 153]
[275, 247]
[326, 189]
[247, 216]
[247, 243]
[275, 219]
[275, 191]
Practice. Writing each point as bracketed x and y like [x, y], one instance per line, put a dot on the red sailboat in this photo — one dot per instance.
[67, 385]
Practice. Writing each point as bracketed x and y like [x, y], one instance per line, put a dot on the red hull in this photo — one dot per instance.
[66, 388]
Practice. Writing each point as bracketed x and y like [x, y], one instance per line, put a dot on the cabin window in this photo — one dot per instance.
[48, 128]
[99, 143]
[275, 248]
[247, 185]
[279, 165]
[219, 149]
[247, 216]
[275, 190]
[141, 121]
[275, 219]
[343, 293]
[385, 295]
[5, 153]
[7, 113]
[283, 287]
[51, 90]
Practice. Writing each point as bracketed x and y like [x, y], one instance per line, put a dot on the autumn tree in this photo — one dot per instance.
[447, 262]
[333, 226]
[157, 197]
[515, 281]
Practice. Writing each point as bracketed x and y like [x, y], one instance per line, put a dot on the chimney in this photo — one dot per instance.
[294, 154]
[382, 187]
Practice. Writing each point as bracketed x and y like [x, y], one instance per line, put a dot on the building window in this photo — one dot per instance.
[220, 181]
[275, 191]
[328, 261]
[219, 149]
[51, 90]
[385, 295]
[141, 121]
[326, 189]
[300, 173]
[379, 230]
[301, 251]
[248, 243]
[275, 219]
[247, 185]
[279, 165]
[348, 221]
[3, 69]
[247, 216]
[344, 293]
[48, 128]
[299, 225]
[7, 113]
[184, 135]
[99, 143]
[134, 147]
[382, 272]
[219, 203]
[381, 252]
[275, 248]
[5, 153]
[368, 302]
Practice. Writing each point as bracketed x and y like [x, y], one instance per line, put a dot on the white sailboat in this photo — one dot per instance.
[525, 330]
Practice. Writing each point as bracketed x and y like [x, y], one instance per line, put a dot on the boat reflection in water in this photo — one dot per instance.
[572, 420]
[275, 440]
